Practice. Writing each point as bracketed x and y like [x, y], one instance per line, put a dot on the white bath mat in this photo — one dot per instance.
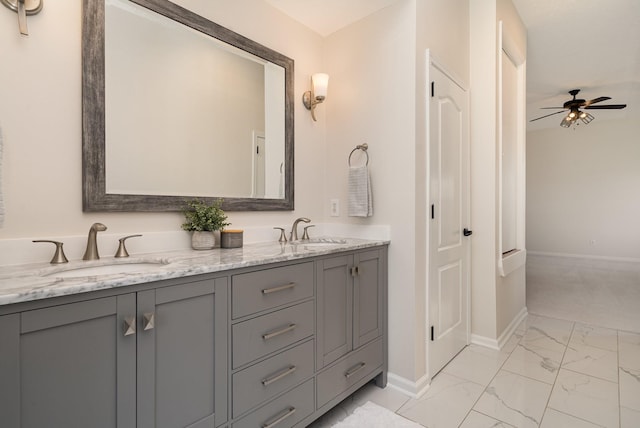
[371, 415]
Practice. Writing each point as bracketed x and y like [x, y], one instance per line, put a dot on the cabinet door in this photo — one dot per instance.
[368, 299]
[177, 376]
[68, 366]
[335, 308]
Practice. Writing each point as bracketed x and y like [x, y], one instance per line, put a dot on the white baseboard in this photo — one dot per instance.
[418, 388]
[512, 327]
[584, 256]
[487, 342]
[413, 389]
[499, 343]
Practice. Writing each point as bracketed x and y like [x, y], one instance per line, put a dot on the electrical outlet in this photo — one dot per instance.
[335, 207]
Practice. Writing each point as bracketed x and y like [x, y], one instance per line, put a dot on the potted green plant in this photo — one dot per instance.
[203, 220]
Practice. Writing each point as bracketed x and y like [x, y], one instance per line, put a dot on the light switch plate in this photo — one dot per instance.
[335, 207]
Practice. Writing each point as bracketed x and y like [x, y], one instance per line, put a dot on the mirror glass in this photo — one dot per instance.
[180, 108]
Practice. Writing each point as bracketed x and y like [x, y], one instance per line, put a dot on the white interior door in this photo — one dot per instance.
[259, 155]
[449, 240]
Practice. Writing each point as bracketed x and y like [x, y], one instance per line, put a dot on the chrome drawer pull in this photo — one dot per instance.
[284, 373]
[273, 334]
[353, 370]
[279, 418]
[129, 326]
[278, 288]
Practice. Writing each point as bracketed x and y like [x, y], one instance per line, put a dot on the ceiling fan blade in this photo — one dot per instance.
[542, 117]
[595, 100]
[606, 107]
[555, 108]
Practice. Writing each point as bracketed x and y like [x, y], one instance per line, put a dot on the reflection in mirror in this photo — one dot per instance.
[180, 108]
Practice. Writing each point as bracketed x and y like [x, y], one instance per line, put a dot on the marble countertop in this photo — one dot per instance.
[23, 283]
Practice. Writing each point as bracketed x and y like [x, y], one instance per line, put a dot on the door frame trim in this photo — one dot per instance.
[507, 44]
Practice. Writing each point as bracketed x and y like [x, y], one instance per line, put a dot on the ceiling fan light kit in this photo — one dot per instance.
[574, 105]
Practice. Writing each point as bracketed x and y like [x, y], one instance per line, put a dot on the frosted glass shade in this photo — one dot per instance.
[320, 84]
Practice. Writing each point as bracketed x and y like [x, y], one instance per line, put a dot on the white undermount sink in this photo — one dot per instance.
[323, 242]
[107, 269]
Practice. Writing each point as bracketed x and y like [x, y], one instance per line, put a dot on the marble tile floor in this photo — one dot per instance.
[597, 292]
[551, 374]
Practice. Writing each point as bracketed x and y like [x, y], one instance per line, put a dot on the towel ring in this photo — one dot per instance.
[364, 147]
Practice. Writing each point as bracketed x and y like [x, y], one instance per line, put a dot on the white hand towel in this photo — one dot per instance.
[359, 199]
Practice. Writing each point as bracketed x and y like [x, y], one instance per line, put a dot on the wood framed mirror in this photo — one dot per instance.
[177, 107]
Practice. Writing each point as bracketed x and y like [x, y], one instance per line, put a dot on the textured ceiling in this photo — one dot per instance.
[592, 45]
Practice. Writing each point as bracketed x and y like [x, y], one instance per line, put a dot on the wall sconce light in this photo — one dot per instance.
[24, 8]
[317, 94]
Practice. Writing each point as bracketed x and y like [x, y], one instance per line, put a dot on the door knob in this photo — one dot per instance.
[467, 232]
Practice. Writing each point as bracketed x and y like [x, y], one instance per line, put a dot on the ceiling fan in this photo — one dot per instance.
[575, 105]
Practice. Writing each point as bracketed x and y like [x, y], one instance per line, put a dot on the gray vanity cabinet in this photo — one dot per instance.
[271, 345]
[68, 366]
[145, 359]
[350, 322]
[350, 299]
[179, 382]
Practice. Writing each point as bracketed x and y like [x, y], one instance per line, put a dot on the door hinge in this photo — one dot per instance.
[432, 334]
[433, 211]
[433, 89]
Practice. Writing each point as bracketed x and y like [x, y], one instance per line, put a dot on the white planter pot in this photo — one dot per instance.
[203, 240]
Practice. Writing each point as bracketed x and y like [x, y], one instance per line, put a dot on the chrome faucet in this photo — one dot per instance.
[91, 253]
[294, 229]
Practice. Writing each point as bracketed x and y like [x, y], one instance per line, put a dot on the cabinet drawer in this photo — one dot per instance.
[283, 412]
[262, 335]
[348, 371]
[265, 289]
[267, 379]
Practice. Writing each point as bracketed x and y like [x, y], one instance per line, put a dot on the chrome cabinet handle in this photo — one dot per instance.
[355, 271]
[284, 373]
[272, 334]
[129, 326]
[279, 288]
[353, 370]
[279, 417]
[149, 319]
